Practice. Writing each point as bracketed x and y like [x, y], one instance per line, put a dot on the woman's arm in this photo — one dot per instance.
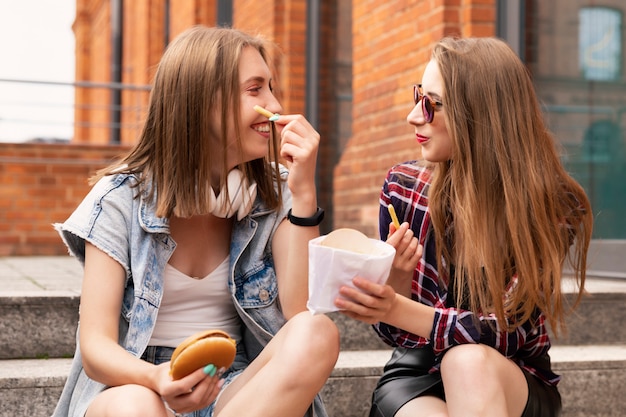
[104, 360]
[444, 327]
[299, 145]
[373, 303]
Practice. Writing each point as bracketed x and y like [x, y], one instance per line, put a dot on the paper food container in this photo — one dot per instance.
[331, 267]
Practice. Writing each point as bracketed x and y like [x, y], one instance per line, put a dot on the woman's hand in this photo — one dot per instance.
[370, 302]
[298, 146]
[373, 303]
[408, 254]
[193, 392]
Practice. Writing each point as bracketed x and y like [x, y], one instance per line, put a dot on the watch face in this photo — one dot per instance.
[600, 46]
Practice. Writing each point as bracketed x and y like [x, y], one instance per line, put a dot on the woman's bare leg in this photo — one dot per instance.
[127, 401]
[425, 406]
[478, 381]
[284, 379]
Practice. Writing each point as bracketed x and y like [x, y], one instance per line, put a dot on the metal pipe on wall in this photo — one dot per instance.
[117, 12]
[510, 24]
[225, 13]
[166, 23]
[312, 62]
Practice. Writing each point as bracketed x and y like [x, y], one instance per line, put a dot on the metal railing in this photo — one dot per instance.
[84, 111]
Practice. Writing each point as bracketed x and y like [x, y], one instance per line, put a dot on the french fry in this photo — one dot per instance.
[394, 217]
[272, 116]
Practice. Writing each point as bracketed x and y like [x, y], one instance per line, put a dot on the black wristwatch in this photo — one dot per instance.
[314, 220]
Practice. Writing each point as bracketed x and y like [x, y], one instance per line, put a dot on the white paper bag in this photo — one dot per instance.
[331, 268]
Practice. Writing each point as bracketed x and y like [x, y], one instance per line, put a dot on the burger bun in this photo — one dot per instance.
[207, 347]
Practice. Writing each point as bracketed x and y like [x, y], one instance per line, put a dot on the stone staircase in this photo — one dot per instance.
[39, 299]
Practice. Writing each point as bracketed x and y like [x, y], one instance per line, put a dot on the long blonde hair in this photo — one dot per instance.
[197, 78]
[505, 211]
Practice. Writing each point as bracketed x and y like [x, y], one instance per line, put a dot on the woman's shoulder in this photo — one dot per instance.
[115, 185]
[117, 191]
[410, 172]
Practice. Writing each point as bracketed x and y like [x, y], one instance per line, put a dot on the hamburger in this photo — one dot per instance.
[201, 349]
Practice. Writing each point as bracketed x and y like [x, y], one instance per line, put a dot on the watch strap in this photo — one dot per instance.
[314, 220]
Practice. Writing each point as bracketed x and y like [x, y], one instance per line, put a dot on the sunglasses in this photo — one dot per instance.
[428, 104]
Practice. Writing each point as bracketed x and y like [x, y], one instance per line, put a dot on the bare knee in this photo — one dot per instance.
[127, 401]
[321, 336]
[469, 361]
[317, 339]
[424, 406]
[480, 381]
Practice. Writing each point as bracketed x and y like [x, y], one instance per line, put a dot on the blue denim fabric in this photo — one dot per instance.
[118, 218]
[160, 354]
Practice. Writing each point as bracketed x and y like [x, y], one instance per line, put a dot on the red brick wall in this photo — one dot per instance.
[391, 45]
[41, 184]
[143, 43]
[187, 13]
[93, 56]
[284, 22]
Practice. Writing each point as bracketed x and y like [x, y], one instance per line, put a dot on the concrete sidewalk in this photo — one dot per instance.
[31, 275]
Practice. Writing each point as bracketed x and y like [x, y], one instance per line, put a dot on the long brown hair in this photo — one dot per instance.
[504, 206]
[196, 80]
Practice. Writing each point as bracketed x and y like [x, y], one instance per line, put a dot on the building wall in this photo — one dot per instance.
[145, 37]
[391, 45]
[371, 53]
[41, 184]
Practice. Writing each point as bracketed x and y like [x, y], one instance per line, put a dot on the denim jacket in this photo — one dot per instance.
[123, 224]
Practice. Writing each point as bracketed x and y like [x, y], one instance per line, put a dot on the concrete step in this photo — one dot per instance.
[592, 322]
[31, 387]
[39, 300]
[592, 385]
[40, 323]
[36, 326]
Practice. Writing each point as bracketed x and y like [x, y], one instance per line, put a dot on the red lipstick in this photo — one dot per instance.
[421, 139]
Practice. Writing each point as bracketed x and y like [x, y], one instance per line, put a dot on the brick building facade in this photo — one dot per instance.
[41, 184]
[370, 54]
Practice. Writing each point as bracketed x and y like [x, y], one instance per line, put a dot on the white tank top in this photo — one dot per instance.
[191, 305]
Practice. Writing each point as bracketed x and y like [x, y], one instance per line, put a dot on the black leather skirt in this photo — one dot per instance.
[406, 377]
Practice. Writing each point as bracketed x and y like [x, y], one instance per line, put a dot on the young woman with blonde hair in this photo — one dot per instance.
[199, 227]
[490, 219]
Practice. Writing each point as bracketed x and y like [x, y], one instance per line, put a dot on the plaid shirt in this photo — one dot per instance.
[406, 187]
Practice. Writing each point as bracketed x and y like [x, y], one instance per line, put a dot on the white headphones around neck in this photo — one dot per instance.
[241, 196]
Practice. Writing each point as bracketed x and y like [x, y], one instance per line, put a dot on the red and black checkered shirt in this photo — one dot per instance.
[406, 187]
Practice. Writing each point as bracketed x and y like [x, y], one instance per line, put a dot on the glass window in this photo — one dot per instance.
[575, 55]
[599, 43]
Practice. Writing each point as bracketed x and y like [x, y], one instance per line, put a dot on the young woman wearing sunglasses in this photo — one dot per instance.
[489, 217]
